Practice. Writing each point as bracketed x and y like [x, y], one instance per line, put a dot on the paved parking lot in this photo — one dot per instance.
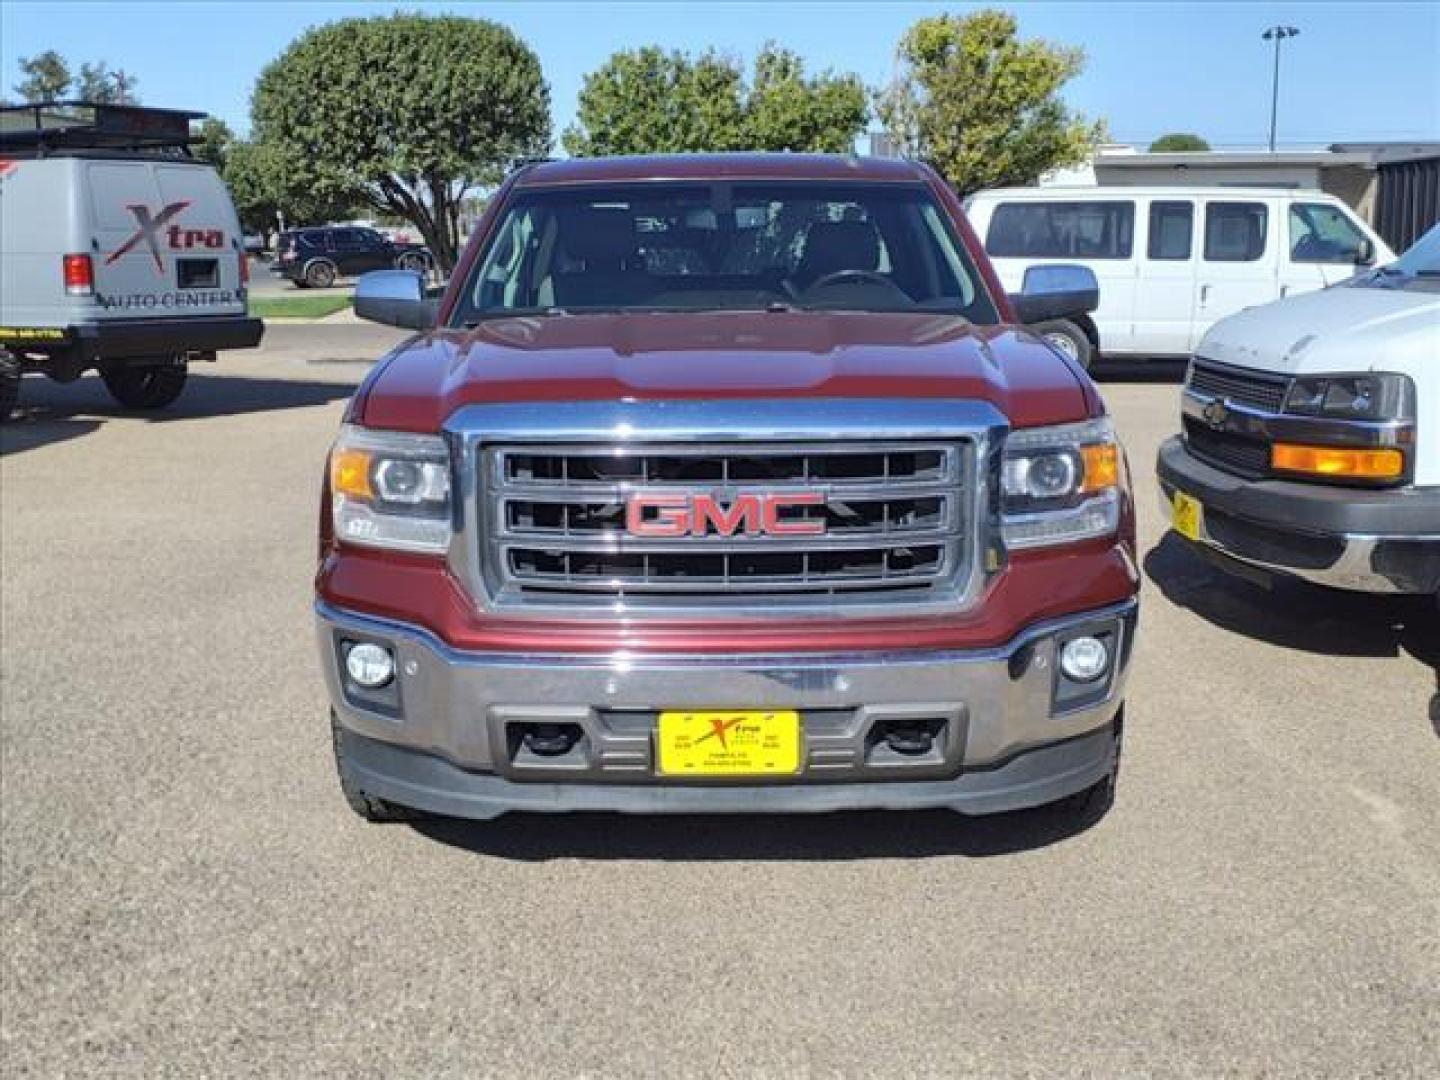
[184, 892]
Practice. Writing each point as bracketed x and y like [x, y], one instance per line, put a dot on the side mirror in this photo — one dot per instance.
[395, 298]
[1365, 252]
[1055, 291]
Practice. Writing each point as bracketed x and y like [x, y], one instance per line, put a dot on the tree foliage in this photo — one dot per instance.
[46, 77]
[982, 106]
[405, 113]
[49, 77]
[215, 138]
[1178, 141]
[647, 100]
[268, 186]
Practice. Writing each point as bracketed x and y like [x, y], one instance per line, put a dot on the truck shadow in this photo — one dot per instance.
[837, 837]
[1296, 615]
[51, 412]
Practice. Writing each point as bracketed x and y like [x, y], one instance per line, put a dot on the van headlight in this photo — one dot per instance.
[391, 489]
[1060, 484]
[1366, 396]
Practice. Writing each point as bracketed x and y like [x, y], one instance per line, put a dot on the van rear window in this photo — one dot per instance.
[1062, 230]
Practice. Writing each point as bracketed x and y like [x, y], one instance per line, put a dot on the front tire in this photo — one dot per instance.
[145, 386]
[1092, 804]
[370, 807]
[1066, 337]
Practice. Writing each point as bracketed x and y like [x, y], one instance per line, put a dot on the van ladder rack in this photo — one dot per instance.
[43, 126]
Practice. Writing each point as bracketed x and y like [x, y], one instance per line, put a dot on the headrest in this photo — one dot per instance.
[598, 235]
[841, 245]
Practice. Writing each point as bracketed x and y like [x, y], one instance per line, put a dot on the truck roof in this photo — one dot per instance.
[732, 166]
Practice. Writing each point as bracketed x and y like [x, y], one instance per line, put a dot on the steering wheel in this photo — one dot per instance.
[852, 275]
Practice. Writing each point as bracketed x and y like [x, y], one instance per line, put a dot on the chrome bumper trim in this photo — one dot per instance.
[994, 702]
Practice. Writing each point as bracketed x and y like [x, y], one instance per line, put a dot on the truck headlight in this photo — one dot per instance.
[391, 489]
[1368, 396]
[1060, 484]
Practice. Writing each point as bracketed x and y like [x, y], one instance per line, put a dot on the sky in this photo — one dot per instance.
[1357, 72]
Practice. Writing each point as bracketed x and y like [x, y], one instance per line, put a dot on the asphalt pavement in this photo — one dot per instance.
[184, 893]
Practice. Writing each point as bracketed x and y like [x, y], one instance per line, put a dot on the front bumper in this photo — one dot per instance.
[1011, 732]
[1385, 541]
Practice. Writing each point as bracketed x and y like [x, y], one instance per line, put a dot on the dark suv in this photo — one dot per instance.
[317, 257]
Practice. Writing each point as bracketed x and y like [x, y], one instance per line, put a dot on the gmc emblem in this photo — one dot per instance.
[655, 516]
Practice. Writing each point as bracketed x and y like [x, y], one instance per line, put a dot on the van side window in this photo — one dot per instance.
[1235, 231]
[1323, 234]
[1062, 230]
[1171, 227]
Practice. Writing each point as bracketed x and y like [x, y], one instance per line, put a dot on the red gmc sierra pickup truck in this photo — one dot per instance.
[724, 483]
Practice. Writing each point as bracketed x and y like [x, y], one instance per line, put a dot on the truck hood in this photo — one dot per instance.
[722, 355]
[1346, 328]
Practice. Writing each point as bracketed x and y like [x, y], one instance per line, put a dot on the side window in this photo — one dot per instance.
[1320, 233]
[1172, 224]
[1235, 231]
[347, 239]
[1061, 230]
[371, 239]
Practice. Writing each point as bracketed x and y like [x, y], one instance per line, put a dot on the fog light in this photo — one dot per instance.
[1084, 659]
[370, 666]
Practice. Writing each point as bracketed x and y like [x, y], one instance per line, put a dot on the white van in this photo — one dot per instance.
[1171, 261]
[118, 252]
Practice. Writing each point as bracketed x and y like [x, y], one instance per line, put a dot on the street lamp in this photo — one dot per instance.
[1277, 34]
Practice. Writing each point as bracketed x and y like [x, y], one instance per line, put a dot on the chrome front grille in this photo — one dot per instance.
[893, 522]
[1258, 389]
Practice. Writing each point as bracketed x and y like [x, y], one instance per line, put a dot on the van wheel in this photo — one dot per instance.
[9, 385]
[362, 802]
[320, 275]
[145, 386]
[1065, 336]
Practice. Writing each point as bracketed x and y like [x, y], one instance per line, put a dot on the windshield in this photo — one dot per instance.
[1423, 257]
[662, 246]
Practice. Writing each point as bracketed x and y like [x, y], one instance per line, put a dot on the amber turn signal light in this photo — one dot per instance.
[1102, 467]
[1338, 461]
[350, 473]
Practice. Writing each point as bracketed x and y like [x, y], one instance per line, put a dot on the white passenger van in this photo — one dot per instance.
[1172, 261]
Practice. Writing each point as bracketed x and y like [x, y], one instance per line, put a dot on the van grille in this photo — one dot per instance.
[892, 523]
[1258, 389]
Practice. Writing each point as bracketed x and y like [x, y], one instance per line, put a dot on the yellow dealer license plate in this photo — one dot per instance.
[732, 743]
[1185, 512]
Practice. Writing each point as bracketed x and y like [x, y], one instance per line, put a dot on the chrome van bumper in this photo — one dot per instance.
[1009, 729]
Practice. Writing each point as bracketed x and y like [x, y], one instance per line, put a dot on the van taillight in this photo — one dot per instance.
[79, 276]
[244, 269]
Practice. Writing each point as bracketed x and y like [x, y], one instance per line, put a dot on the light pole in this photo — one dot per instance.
[1276, 34]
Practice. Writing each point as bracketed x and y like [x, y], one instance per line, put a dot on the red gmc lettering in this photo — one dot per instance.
[667, 516]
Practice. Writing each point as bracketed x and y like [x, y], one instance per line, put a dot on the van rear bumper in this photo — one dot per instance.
[116, 339]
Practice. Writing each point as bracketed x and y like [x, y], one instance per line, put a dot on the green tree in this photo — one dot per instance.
[47, 77]
[1178, 141]
[407, 114]
[214, 142]
[97, 83]
[982, 106]
[787, 111]
[647, 101]
[269, 189]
